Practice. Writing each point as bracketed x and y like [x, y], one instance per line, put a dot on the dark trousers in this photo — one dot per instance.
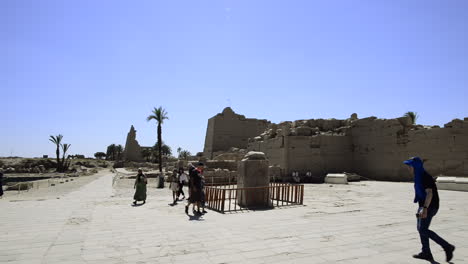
[181, 190]
[425, 233]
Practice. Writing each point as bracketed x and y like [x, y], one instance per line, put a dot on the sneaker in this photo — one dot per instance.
[424, 256]
[186, 209]
[134, 203]
[449, 252]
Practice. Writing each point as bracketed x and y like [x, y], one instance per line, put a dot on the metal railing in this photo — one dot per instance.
[227, 198]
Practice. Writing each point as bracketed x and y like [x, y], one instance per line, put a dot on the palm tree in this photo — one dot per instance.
[184, 154]
[154, 153]
[65, 148]
[413, 116]
[57, 140]
[159, 114]
[146, 153]
[111, 149]
[99, 155]
[165, 149]
[179, 149]
[119, 150]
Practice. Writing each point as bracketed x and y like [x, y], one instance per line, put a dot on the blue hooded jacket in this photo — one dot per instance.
[417, 164]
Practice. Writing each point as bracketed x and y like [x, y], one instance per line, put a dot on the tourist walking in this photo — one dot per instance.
[140, 187]
[200, 169]
[194, 190]
[427, 197]
[182, 180]
[174, 186]
[189, 182]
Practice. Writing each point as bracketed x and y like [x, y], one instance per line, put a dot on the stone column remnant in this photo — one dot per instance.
[132, 150]
[254, 181]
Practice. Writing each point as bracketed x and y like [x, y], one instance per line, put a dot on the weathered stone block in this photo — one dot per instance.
[253, 174]
[303, 131]
[336, 178]
[452, 183]
[254, 155]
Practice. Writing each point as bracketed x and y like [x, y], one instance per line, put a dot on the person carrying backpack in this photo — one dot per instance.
[427, 197]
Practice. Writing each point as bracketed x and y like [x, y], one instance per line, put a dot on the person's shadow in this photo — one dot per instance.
[137, 205]
[195, 217]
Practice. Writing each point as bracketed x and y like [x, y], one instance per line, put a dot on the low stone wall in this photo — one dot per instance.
[230, 165]
[219, 176]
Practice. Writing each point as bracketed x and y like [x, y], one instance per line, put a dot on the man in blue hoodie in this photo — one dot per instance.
[427, 197]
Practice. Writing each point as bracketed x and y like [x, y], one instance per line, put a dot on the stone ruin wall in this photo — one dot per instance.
[297, 146]
[371, 147]
[380, 146]
[228, 129]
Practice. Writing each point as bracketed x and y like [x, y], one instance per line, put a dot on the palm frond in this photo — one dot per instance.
[413, 116]
[65, 148]
[56, 139]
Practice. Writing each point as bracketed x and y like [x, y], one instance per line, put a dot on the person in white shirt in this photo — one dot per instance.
[174, 186]
[183, 179]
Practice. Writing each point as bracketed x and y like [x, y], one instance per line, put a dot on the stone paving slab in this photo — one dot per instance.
[363, 222]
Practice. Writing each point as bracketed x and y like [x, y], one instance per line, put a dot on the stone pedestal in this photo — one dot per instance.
[253, 173]
[336, 178]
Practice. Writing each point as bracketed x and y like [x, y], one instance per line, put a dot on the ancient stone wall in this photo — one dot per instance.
[228, 129]
[273, 149]
[371, 147]
[379, 149]
[381, 145]
[318, 154]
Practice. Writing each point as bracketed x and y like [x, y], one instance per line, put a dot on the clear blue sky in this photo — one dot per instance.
[91, 69]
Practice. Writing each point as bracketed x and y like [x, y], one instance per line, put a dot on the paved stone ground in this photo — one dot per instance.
[366, 222]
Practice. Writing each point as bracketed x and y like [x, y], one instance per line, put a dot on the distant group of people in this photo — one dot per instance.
[196, 187]
[297, 178]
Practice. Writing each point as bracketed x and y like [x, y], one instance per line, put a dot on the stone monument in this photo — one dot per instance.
[132, 150]
[253, 173]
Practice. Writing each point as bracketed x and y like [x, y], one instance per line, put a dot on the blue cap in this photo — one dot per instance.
[412, 161]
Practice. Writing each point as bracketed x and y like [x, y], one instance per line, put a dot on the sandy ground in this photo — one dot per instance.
[94, 223]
